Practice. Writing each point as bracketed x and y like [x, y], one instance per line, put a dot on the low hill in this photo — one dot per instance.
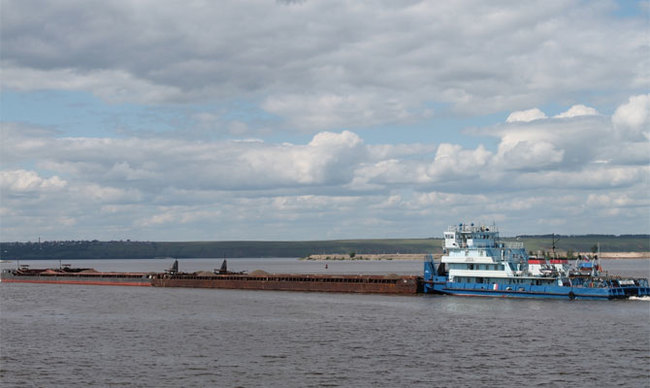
[216, 249]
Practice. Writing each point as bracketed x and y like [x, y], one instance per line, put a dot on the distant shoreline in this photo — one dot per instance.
[622, 255]
[421, 256]
[387, 249]
[369, 256]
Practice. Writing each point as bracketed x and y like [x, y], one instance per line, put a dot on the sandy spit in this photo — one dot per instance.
[421, 256]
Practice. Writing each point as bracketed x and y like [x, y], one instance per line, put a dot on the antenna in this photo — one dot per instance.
[555, 239]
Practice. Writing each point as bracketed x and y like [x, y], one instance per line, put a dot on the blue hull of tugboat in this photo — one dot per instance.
[440, 285]
[546, 292]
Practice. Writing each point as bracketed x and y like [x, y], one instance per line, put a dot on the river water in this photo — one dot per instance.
[75, 335]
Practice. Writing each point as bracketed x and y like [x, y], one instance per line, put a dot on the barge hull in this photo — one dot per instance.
[363, 284]
[89, 282]
[403, 285]
[73, 276]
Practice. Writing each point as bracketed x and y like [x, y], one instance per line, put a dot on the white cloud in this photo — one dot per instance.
[526, 115]
[317, 112]
[551, 142]
[616, 200]
[248, 68]
[634, 116]
[108, 195]
[588, 178]
[325, 65]
[452, 162]
[166, 217]
[111, 85]
[523, 154]
[22, 181]
[334, 185]
[328, 159]
[123, 171]
[577, 111]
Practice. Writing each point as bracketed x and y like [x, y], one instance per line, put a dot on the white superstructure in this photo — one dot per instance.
[475, 254]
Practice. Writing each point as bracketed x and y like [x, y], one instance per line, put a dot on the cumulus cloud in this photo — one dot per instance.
[317, 112]
[578, 110]
[452, 161]
[634, 116]
[140, 188]
[148, 184]
[108, 195]
[23, 181]
[334, 71]
[324, 65]
[544, 142]
[526, 115]
[327, 159]
[111, 85]
[577, 149]
[522, 154]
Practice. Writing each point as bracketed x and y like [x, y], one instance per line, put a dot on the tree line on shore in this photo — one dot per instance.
[126, 249]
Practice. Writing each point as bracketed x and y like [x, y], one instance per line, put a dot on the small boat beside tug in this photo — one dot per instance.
[476, 262]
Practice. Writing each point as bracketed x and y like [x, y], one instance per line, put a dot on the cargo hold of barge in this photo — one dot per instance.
[295, 282]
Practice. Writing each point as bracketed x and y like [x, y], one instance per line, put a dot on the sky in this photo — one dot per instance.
[314, 120]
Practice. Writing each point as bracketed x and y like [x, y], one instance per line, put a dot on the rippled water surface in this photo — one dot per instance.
[68, 335]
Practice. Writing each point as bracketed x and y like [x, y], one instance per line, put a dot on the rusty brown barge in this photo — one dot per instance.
[222, 279]
[87, 276]
[366, 284]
